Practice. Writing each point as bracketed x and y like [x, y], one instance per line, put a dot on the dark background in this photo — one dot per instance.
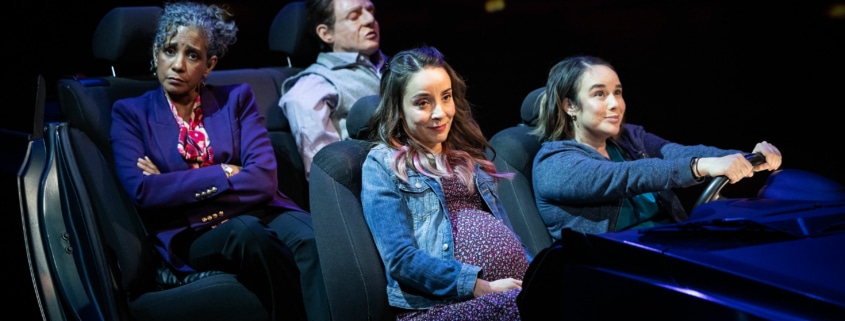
[722, 73]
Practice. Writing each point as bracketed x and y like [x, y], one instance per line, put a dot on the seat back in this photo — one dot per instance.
[290, 36]
[116, 263]
[515, 149]
[353, 270]
[77, 96]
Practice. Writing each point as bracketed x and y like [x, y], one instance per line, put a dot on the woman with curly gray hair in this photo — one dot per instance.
[197, 161]
[215, 24]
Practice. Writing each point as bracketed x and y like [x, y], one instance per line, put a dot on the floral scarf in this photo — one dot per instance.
[193, 143]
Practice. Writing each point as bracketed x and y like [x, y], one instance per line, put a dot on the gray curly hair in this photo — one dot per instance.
[216, 23]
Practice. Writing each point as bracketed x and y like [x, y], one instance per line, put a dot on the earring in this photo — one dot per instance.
[201, 85]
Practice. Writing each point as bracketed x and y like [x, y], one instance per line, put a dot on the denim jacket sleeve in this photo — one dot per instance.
[416, 247]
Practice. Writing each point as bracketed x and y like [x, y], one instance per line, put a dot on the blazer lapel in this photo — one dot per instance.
[218, 126]
[165, 131]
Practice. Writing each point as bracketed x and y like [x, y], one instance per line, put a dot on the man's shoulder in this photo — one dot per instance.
[312, 73]
[307, 83]
[315, 68]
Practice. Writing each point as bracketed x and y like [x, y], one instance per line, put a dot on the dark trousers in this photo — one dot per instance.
[296, 231]
[247, 247]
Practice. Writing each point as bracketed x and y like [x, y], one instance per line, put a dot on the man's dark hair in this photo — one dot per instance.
[320, 12]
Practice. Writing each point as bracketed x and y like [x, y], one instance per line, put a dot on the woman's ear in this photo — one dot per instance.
[568, 106]
[212, 62]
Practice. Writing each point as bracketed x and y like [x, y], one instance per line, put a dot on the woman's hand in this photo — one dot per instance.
[235, 169]
[735, 167]
[773, 157]
[147, 166]
[483, 287]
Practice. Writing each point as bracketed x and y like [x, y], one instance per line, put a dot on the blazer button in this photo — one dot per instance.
[204, 220]
[445, 247]
[221, 213]
[197, 196]
[213, 216]
[214, 189]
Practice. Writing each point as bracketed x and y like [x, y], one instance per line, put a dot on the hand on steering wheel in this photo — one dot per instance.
[713, 191]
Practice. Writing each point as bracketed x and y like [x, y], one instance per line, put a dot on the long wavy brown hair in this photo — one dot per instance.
[465, 145]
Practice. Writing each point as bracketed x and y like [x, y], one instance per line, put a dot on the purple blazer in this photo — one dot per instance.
[182, 198]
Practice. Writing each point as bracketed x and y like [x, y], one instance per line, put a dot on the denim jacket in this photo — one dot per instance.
[412, 231]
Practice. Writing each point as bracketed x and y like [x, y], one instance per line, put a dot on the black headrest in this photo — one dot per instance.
[289, 34]
[125, 34]
[530, 107]
[359, 115]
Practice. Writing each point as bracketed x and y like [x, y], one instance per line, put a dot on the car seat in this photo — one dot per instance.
[353, 270]
[515, 149]
[288, 36]
[98, 252]
[351, 264]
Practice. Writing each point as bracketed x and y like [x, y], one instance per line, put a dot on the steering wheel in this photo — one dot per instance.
[713, 191]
